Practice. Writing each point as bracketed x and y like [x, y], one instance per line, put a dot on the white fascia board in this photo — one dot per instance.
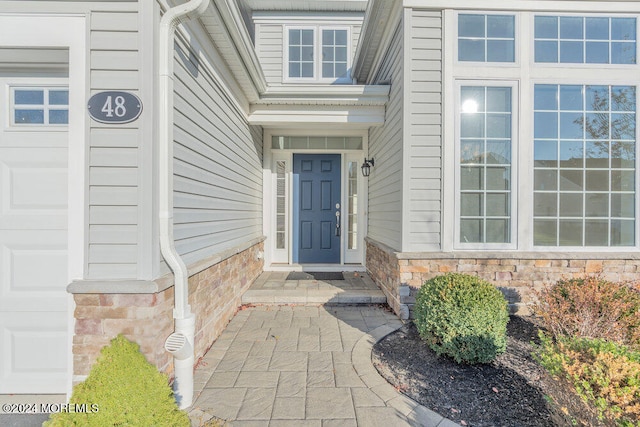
[326, 95]
[355, 117]
[529, 5]
[378, 23]
[307, 5]
[287, 18]
[237, 32]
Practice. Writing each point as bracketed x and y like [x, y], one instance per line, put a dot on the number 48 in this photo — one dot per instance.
[120, 110]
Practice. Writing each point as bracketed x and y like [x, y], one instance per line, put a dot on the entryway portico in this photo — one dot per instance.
[314, 200]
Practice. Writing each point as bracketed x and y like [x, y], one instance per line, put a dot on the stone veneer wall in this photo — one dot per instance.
[215, 291]
[400, 275]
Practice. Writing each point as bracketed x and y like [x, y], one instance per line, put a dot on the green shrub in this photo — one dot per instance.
[463, 317]
[604, 374]
[591, 308]
[127, 390]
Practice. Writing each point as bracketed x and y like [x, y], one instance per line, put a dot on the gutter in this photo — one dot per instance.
[181, 343]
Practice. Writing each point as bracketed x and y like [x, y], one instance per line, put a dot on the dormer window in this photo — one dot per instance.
[317, 54]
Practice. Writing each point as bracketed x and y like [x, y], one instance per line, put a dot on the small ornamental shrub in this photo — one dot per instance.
[463, 317]
[125, 390]
[591, 308]
[604, 374]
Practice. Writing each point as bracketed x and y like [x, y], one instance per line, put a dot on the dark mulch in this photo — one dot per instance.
[513, 390]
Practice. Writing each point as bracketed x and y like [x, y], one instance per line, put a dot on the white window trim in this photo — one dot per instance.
[528, 74]
[514, 165]
[317, 52]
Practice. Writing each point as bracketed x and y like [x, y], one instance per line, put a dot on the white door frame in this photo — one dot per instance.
[64, 31]
[280, 259]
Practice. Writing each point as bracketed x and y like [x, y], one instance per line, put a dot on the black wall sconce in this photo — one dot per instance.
[367, 165]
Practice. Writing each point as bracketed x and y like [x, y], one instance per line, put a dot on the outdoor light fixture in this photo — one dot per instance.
[367, 165]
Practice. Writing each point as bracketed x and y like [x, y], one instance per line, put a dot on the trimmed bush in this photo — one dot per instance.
[463, 317]
[604, 374]
[127, 389]
[591, 308]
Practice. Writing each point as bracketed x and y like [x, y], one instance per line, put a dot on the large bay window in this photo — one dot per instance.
[544, 156]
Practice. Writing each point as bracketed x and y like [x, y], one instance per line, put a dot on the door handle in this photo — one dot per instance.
[338, 219]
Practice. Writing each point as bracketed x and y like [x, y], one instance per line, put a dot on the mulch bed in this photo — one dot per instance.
[513, 390]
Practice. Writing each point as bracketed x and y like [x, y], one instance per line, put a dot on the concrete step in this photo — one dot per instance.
[274, 288]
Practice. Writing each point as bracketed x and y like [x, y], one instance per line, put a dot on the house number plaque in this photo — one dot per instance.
[114, 107]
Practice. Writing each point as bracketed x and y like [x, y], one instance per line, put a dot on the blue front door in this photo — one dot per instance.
[316, 199]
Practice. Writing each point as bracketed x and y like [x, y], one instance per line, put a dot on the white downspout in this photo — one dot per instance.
[180, 343]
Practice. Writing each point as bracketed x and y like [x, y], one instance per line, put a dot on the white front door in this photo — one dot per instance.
[33, 235]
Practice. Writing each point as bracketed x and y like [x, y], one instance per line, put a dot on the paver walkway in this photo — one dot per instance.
[303, 366]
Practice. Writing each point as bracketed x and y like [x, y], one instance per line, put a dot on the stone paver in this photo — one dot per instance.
[303, 366]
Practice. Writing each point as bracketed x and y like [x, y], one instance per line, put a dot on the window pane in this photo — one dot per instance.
[571, 125]
[29, 97]
[597, 28]
[471, 178]
[498, 230]
[307, 70]
[597, 180]
[500, 51]
[59, 97]
[307, 37]
[571, 52]
[570, 232]
[571, 27]
[341, 70]
[623, 28]
[327, 70]
[341, 37]
[596, 154]
[546, 51]
[471, 231]
[327, 37]
[596, 233]
[58, 117]
[570, 97]
[29, 116]
[597, 53]
[471, 25]
[294, 37]
[471, 50]
[498, 125]
[623, 206]
[545, 204]
[472, 125]
[501, 26]
[545, 153]
[545, 232]
[294, 70]
[546, 97]
[545, 125]
[545, 180]
[571, 180]
[471, 204]
[596, 205]
[570, 204]
[499, 99]
[623, 98]
[498, 152]
[622, 233]
[497, 204]
[571, 154]
[498, 178]
[546, 27]
[622, 180]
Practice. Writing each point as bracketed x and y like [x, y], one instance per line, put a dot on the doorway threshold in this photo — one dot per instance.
[315, 267]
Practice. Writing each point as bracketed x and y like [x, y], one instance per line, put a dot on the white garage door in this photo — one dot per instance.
[33, 235]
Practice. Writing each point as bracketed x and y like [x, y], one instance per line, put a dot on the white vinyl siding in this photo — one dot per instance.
[424, 134]
[217, 168]
[114, 164]
[385, 146]
[269, 48]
